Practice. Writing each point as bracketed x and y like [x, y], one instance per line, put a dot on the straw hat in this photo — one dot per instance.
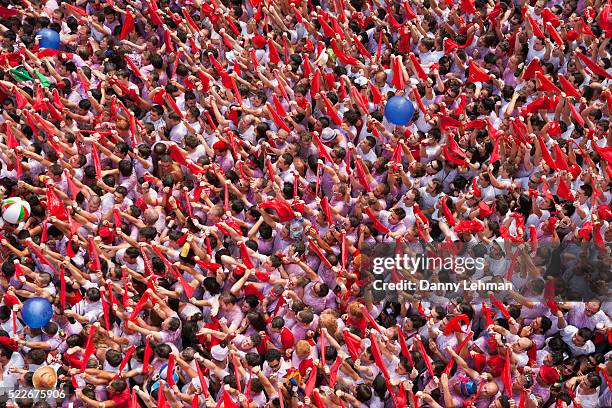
[44, 378]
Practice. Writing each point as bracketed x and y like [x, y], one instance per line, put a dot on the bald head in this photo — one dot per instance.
[150, 216]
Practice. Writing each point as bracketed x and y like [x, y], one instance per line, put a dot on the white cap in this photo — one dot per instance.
[361, 81]
[219, 353]
[327, 135]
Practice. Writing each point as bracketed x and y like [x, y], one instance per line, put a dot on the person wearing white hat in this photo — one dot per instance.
[218, 365]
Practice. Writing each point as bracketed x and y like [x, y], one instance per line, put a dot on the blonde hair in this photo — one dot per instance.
[329, 322]
[354, 309]
[302, 348]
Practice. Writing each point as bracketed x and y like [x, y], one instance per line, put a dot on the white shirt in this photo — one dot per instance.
[10, 379]
[567, 333]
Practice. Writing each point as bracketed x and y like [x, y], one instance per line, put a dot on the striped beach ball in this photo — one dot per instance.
[15, 210]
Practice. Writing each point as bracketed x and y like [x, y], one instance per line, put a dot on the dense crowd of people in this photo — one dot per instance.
[208, 180]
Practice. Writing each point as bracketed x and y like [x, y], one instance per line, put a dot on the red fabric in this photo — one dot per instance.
[9, 343]
[564, 191]
[353, 344]
[342, 57]
[450, 219]
[417, 212]
[419, 69]
[467, 6]
[76, 10]
[370, 319]
[378, 359]
[11, 142]
[362, 49]
[20, 99]
[403, 345]
[316, 83]
[310, 383]
[487, 314]
[327, 210]
[451, 363]
[122, 399]
[417, 98]
[55, 206]
[545, 84]
[393, 23]
[531, 69]
[560, 159]
[456, 160]
[507, 375]
[424, 356]
[203, 384]
[592, 66]
[331, 111]
[274, 58]
[128, 26]
[89, 347]
[576, 115]
[546, 154]
[8, 13]
[472, 226]
[96, 160]
[333, 370]
[454, 325]
[360, 99]
[379, 49]
[410, 14]
[278, 106]
[282, 209]
[319, 253]
[498, 304]
[246, 258]
[378, 226]
[604, 152]
[398, 75]
[554, 34]
[551, 18]
[535, 27]
[143, 300]
[448, 122]
[377, 96]
[476, 73]
[327, 30]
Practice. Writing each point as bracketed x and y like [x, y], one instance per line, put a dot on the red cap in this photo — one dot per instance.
[259, 41]
[549, 374]
[220, 145]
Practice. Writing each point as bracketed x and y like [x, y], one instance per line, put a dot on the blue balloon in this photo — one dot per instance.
[37, 312]
[399, 110]
[50, 39]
